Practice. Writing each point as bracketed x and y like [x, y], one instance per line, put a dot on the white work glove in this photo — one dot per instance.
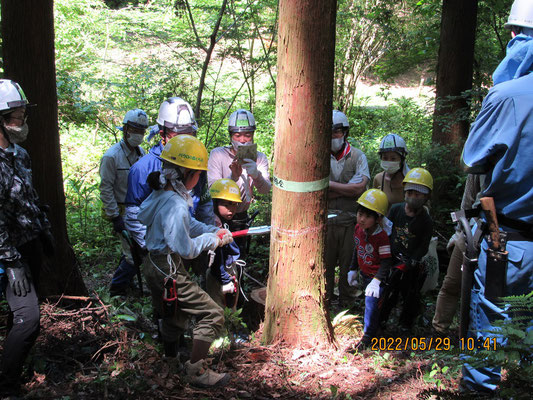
[352, 278]
[224, 237]
[228, 288]
[251, 167]
[372, 290]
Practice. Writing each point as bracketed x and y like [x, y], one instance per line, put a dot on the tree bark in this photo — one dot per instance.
[454, 71]
[29, 59]
[295, 306]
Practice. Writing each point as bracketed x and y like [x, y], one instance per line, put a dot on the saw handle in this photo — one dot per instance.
[237, 234]
[487, 204]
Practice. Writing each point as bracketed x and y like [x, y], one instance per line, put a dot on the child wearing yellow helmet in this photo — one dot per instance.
[371, 257]
[172, 235]
[410, 238]
[222, 275]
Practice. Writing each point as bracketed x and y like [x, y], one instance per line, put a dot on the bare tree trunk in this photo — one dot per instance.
[295, 306]
[454, 71]
[29, 59]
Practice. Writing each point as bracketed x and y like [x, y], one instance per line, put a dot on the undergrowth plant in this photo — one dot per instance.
[513, 353]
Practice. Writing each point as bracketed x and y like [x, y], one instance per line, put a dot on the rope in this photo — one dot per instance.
[173, 268]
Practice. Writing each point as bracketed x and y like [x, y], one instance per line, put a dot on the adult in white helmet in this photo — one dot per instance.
[348, 179]
[114, 168]
[175, 117]
[499, 145]
[247, 173]
[392, 151]
[24, 236]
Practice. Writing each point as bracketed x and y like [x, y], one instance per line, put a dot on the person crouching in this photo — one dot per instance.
[172, 235]
[222, 276]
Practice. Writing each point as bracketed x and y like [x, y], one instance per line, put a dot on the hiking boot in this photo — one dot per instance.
[118, 290]
[171, 349]
[364, 343]
[174, 364]
[200, 375]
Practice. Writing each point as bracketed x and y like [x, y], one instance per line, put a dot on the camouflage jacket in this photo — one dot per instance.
[21, 219]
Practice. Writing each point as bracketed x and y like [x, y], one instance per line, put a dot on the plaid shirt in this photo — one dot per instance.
[21, 219]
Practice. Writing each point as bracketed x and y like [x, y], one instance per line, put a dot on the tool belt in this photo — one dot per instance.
[496, 267]
[522, 231]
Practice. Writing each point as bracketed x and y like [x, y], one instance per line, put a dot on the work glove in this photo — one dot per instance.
[118, 224]
[224, 237]
[228, 288]
[251, 167]
[352, 278]
[372, 290]
[48, 242]
[16, 275]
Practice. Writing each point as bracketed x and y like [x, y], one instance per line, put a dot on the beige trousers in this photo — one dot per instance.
[192, 301]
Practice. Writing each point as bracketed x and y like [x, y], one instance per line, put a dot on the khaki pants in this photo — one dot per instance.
[192, 301]
[450, 292]
[339, 251]
[214, 289]
[126, 250]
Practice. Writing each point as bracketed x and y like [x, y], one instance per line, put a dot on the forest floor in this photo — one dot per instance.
[88, 350]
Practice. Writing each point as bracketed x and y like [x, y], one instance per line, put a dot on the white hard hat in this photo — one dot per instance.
[340, 121]
[521, 14]
[177, 115]
[11, 96]
[241, 121]
[393, 142]
[136, 118]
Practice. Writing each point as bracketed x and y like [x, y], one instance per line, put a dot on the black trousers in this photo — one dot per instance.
[240, 222]
[407, 285]
[24, 322]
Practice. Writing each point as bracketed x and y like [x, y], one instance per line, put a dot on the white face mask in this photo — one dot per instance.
[16, 134]
[237, 144]
[336, 144]
[135, 139]
[390, 166]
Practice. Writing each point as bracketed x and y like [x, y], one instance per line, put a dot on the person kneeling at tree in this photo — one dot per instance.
[172, 235]
[372, 256]
[410, 238]
[222, 275]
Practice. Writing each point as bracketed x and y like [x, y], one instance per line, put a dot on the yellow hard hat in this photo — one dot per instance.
[419, 176]
[375, 200]
[226, 189]
[186, 151]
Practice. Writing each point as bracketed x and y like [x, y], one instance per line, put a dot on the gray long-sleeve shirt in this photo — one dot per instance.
[114, 169]
[218, 168]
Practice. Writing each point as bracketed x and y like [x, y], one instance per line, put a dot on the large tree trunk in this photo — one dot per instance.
[454, 71]
[295, 305]
[29, 59]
